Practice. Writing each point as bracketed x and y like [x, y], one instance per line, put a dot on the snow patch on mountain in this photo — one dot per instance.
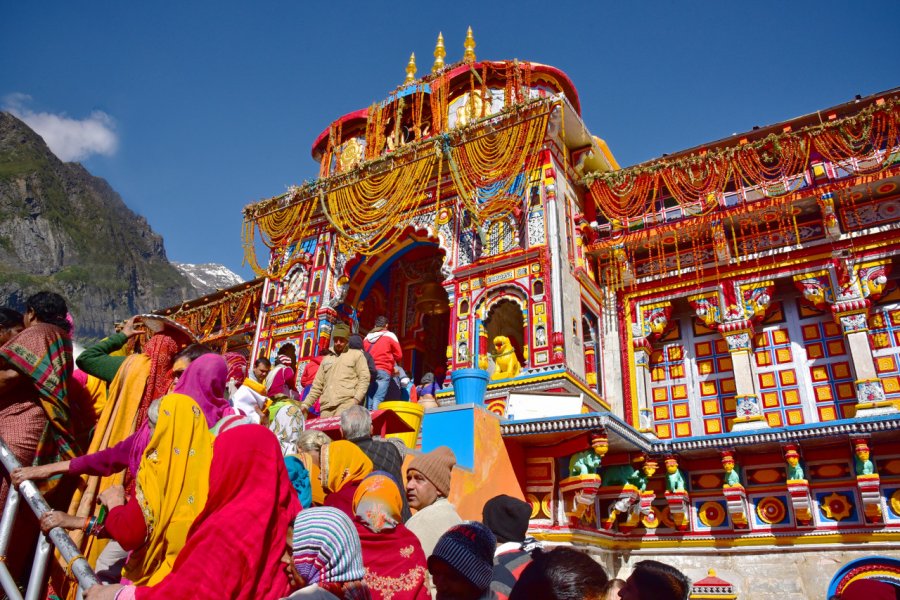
[209, 277]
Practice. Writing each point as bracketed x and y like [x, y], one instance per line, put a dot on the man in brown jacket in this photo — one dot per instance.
[342, 379]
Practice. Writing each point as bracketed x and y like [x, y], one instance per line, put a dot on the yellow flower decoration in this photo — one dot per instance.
[836, 506]
[711, 514]
[771, 510]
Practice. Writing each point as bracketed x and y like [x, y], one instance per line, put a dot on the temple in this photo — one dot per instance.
[695, 359]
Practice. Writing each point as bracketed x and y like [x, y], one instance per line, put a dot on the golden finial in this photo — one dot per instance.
[411, 69]
[439, 54]
[469, 45]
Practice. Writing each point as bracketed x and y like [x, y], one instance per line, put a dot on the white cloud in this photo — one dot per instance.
[69, 139]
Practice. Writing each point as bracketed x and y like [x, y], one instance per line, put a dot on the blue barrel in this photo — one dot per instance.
[469, 385]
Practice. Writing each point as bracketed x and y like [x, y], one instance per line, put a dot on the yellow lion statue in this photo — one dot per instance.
[505, 360]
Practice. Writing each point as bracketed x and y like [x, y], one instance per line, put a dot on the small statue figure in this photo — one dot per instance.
[674, 477]
[587, 462]
[863, 464]
[731, 476]
[794, 470]
[505, 359]
[637, 478]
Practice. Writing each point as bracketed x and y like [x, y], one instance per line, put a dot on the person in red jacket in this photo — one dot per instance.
[309, 373]
[385, 350]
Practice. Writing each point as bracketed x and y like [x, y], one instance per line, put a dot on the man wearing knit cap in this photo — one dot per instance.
[507, 518]
[427, 488]
[461, 564]
[342, 378]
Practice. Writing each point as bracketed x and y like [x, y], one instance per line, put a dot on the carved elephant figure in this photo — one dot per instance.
[585, 462]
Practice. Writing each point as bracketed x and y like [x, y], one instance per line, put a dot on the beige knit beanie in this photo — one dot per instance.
[436, 466]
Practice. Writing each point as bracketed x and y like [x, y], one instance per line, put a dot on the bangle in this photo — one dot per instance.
[87, 523]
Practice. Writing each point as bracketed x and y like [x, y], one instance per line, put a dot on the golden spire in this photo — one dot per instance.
[469, 45]
[439, 54]
[411, 69]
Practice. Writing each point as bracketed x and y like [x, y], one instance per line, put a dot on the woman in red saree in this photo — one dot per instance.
[235, 546]
[393, 557]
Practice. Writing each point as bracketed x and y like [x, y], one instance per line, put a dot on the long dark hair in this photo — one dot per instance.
[49, 308]
[10, 318]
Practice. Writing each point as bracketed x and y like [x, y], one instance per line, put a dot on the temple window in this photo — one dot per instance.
[307, 347]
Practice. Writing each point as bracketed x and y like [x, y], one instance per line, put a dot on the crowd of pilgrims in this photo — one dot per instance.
[173, 487]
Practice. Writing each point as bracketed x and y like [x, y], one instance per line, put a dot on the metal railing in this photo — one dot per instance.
[58, 536]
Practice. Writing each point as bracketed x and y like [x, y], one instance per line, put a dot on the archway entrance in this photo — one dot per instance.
[505, 318]
[404, 284]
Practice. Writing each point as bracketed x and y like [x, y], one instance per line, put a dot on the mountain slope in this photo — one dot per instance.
[65, 230]
[208, 277]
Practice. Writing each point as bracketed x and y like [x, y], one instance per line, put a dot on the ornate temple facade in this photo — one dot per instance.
[726, 318]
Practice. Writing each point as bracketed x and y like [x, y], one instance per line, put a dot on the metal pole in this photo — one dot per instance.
[9, 516]
[38, 569]
[67, 549]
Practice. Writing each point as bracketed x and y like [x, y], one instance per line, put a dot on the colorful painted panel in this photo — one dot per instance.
[715, 380]
[830, 370]
[884, 324]
[669, 391]
[779, 389]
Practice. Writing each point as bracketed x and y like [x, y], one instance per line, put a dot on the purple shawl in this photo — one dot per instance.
[204, 381]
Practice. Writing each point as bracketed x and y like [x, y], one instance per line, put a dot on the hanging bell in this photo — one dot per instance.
[432, 299]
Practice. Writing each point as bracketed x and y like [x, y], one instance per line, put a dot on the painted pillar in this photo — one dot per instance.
[739, 337]
[853, 316]
[642, 351]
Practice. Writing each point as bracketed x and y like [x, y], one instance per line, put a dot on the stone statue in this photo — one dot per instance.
[794, 470]
[674, 477]
[587, 462]
[731, 476]
[862, 462]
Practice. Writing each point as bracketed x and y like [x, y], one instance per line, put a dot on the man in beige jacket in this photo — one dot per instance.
[342, 379]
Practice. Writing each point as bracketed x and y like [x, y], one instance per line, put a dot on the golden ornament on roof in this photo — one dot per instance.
[439, 54]
[469, 45]
[411, 69]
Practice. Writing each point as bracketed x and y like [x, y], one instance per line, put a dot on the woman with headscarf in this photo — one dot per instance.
[309, 448]
[204, 382]
[235, 546]
[171, 489]
[285, 419]
[394, 561]
[42, 408]
[343, 467]
[327, 558]
[237, 372]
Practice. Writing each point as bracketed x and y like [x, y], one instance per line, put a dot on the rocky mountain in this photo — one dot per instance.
[65, 230]
[206, 278]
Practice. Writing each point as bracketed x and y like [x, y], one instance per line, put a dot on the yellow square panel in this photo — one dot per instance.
[774, 419]
[895, 317]
[832, 330]
[680, 411]
[810, 332]
[795, 417]
[780, 336]
[787, 377]
[704, 348]
[712, 426]
[876, 321]
[836, 347]
[675, 353]
[708, 388]
[891, 384]
[814, 351]
[729, 423]
[791, 397]
[770, 399]
[823, 393]
[679, 392]
[660, 394]
[721, 346]
[783, 355]
[819, 373]
[710, 407]
[663, 432]
[761, 340]
[845, 391]
[848, 411]
[727, 386]
[676, 371]
[880, 340]
[724, 364]
[885, 364]
[657, 374]
[682, 429]
[767, 380]
[661, 412]
[656, 357]
[730, 404]
[826, 413]
[763, 359]
[841, 370]
[705, 367]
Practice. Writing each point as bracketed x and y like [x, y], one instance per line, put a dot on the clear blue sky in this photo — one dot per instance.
[214, 105]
